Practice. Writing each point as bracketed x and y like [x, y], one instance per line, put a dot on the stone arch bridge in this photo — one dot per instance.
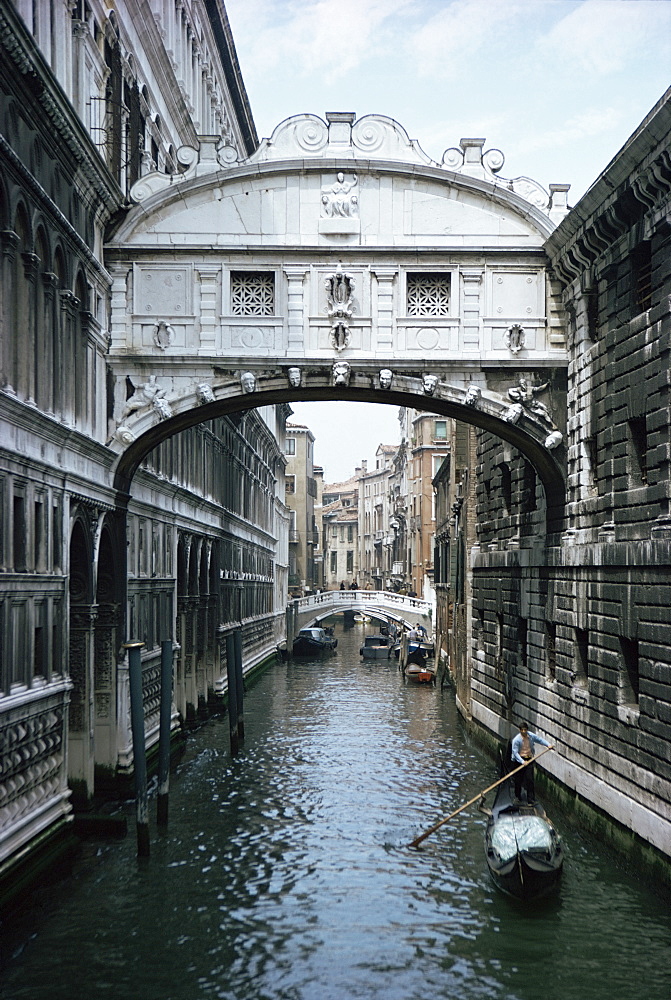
[379, 604]
[339, 262]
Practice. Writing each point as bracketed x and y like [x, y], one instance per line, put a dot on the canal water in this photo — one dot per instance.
[285, 873]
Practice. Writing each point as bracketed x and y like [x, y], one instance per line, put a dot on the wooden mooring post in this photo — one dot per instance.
[232, 693]
[139, 748]
[164, 734]
[239, 684]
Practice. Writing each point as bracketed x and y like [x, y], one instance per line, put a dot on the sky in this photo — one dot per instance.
[557, 85]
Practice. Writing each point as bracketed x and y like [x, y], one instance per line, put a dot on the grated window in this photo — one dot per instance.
[429, 294]
[252, 293]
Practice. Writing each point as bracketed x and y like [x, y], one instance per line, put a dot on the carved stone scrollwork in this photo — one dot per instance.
[514, 338]
[553, 440]
[163, 335]
[340, 297]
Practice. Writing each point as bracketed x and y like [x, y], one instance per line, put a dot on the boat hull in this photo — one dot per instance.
[419, 675]
[523, 850]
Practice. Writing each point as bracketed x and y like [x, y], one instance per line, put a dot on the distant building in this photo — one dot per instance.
[301, 496]
[340, 518]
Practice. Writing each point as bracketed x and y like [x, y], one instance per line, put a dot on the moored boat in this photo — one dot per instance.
[313, 640]
[419, 674]
[375, 647]
[523, 849]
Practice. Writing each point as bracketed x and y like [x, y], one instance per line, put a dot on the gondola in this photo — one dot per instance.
[311, 641]
[523, 849]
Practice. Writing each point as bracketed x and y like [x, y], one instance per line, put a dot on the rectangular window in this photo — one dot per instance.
[638, 438]
[19, 533]
[428, 294]
[440, 430]
[290, 484]
[252, 293]
[580, 672]
[350, 561]
[290, 446]
[551, 649]
[629, 679]
[350, 533]
[334, 562]
[522, 640]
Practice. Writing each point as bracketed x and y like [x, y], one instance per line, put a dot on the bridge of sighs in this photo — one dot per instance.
[339, 262]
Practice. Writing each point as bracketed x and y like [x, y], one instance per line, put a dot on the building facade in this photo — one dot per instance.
[576, 639]
[340, 533]
[92, 99]
[301, 498]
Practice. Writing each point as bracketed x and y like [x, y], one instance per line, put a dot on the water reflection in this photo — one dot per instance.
[285, 872]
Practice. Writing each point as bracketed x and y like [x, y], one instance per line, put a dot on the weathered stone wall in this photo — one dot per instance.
[577, 638]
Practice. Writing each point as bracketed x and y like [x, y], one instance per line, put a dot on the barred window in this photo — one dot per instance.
[252, 293]
[429, 294]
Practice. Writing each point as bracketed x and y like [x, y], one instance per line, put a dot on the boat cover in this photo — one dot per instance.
[520, 833]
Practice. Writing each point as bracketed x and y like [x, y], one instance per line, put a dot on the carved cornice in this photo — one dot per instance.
[23, 54]
[622, 198]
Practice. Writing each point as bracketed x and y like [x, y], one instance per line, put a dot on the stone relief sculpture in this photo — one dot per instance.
[514, 338]
[341, 373]
[473, 394]
[147, 394]
[386, 377]
[295, 376]
[429, 384]
[204, 393]
[525, 394]
[248, 382]
[553, 440]
[162, 407]
[513, 413]
[340, 200]
[340, 297]
[163, 335]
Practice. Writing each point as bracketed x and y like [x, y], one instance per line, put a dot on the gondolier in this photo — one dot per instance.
[521, 751]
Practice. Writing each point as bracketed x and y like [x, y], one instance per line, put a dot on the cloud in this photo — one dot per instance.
[304, 37]
[444, 44]
[588, 125]
[600, 37]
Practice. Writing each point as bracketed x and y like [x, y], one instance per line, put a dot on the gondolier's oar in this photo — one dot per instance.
[418, 840]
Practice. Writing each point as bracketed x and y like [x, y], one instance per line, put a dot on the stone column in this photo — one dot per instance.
[385, 307]
[471, 278]
[210, 330]
[50, 342]
[118, 311]
[28, 329]
[295, 310]
[81, 720]
[9, 242]
[69, 305]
